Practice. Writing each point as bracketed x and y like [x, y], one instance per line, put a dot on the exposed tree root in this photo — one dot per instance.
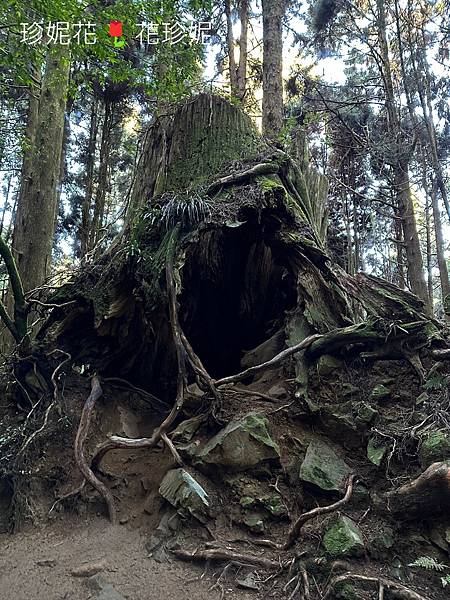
[428, 494]
[52, 404]
[318, 344]
[73, 492]
[222, 554]
[80, 439]
[304, 518]
[151, 398]
[396, 589]
[315, 512]
[276, 360]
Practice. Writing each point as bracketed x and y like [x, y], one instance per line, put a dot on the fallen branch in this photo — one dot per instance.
[269, 168]
[397, 589]
[80, 439]
[220, 554]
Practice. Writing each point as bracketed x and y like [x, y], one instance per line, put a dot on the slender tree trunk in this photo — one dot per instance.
[35, 221]
[442, 263]
[400, 167]
[84, 229]
[272, 103]
[429, 254]
[399, 246]
[230, 47]
[243, 51]
[103, 174]
[424, 90]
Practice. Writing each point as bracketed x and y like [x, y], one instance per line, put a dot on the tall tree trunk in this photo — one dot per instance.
[84, 228]
[272, 103]
[423, 81]
[442, 263]
[230, 47]
[400, 165]
[35, 221]
[243, 50]
[103, 173]
[429, 254]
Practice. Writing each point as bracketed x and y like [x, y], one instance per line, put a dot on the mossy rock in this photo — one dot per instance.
[241, 445]
[376, 452]
[346, 591]
[323, 467]
[380, 392]
[343, 538]
[365, 413]
[435, 446]
[184, 492]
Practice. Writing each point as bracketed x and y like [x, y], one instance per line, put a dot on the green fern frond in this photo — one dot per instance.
[185, 209]
[445, 580]
[429, 563]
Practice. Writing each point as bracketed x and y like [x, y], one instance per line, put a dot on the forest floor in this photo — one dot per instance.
[45, 564]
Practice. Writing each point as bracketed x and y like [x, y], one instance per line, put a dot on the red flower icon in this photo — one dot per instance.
[115, 28]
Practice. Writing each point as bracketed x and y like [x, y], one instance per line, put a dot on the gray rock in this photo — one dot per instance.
[243, 444]
[249, 581]
[343, 538]
[278, 391]
[339, 424]
[102, 589]
[323, 467]
[183, 491]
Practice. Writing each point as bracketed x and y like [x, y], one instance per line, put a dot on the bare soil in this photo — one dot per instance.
[37, 564]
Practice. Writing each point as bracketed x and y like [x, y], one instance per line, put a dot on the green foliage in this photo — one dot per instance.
[429, 563]
[435, 381]
[186, 208]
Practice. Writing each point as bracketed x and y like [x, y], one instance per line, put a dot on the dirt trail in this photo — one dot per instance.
[38, 565]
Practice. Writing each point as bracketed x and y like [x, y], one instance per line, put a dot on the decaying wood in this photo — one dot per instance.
[80, 439]
[222, 554]
[428, 494]
[117, 442]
